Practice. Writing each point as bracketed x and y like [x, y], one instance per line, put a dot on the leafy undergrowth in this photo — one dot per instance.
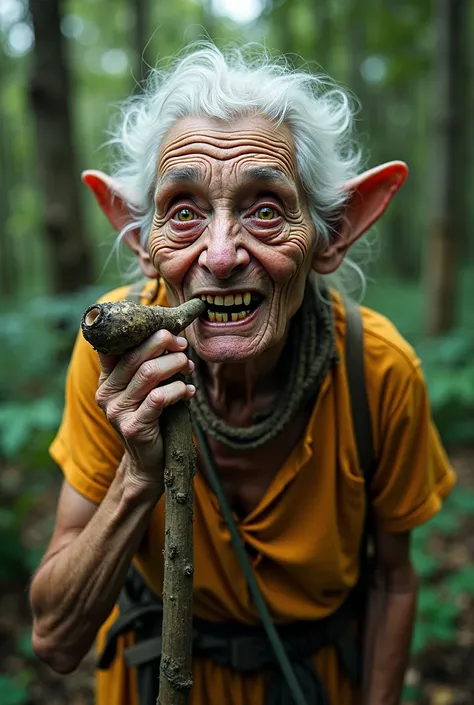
[441, 672]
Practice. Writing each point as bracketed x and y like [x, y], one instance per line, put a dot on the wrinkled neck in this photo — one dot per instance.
[237, 390]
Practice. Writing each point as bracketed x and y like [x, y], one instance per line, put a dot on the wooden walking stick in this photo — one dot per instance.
[114, 328]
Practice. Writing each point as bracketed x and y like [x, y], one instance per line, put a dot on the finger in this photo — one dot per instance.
[161, 397]
[152, 347]
[151, 373]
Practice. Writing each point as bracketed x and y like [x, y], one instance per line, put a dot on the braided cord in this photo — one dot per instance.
[310, 351]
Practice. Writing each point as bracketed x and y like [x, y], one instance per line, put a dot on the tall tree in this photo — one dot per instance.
[142, 31]
[50, 94]
[443, 255]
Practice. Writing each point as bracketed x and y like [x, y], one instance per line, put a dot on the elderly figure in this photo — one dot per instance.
[238, 182]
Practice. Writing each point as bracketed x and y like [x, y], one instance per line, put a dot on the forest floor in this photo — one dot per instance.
[442, 674]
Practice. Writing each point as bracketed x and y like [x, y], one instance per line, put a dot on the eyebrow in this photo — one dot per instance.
[270, 174]
[178, 175]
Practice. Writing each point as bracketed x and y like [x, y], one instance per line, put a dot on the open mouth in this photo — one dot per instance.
[231, 308]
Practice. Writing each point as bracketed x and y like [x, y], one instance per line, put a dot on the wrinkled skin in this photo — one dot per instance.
[225, 246]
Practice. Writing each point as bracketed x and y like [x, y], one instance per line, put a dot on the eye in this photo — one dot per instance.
[266, 213]
[184, 215]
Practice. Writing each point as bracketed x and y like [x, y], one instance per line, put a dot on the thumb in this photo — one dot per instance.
[107, 364]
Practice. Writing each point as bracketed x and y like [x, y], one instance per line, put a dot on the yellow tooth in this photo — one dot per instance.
[218, 300]
[212, 315]
[229, 300]
[210, 299]
[234, 317]
[242, 314]
[225, 317]
[238, 300]
[247, 298]
[218, 316]
[203, 297]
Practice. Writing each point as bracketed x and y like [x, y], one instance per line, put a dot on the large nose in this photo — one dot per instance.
[223, 253]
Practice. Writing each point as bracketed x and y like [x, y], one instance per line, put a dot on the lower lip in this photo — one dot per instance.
[231, 324]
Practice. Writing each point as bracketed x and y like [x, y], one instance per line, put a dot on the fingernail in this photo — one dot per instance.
[191, 388]
[182, 342]
[191, 365]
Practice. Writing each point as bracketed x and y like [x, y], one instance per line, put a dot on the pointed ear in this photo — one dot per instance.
[118, 207]
[369, 195]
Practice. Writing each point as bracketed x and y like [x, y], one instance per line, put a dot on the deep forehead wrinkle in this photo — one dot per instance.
[227, 145]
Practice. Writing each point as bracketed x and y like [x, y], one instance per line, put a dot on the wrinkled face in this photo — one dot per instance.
[232, 227]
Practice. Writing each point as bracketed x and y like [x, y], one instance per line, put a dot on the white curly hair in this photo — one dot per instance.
[205, 81]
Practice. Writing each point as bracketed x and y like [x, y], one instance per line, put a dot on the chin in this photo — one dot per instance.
[232, 348]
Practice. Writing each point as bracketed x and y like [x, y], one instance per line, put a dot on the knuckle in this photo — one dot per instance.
[101, 397]
[131, 359]
[113, 414]
[148, 371]
[163, 337]
[157, 397]
[181, 359]
[129, 429]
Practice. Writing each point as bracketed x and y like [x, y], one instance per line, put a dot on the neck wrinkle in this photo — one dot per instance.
[231, 383]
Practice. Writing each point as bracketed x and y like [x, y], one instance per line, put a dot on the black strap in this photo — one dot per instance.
[360, 409]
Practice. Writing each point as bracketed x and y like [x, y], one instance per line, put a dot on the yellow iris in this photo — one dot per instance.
[266, 213]
[185, 215]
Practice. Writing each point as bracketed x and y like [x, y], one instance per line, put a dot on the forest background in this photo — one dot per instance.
[64, 68]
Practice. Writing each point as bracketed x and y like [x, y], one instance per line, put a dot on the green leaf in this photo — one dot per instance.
[24, 645]
[461, 582]
[12, 692]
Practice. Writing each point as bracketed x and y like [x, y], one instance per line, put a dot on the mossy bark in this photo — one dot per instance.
[114, 328]
[180, 466]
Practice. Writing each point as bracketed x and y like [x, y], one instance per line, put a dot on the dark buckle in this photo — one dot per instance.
[248, 653]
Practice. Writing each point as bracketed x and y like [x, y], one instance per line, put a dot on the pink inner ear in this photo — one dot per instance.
[371, 194]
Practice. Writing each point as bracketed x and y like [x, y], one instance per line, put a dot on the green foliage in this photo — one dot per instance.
[447, 361]
[35, 347]
[438, 605]
[35, 344]
[13, 691]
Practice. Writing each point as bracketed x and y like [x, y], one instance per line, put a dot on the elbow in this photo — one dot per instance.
[54, 655]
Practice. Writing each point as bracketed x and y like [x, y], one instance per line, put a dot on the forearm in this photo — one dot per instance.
[388, 633]
[77, 586]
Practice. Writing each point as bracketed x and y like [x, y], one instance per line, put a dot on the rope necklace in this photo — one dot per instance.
[310, 352]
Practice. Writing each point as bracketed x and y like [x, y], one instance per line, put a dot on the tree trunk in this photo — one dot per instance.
[442, 257]
[142, 13]
[69, 251]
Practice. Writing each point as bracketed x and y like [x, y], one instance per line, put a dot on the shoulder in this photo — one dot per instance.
[152, 292]
[386, 351]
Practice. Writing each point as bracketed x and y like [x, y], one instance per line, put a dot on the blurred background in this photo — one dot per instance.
[64, 67]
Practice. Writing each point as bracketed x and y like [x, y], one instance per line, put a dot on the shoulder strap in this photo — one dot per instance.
[357, 390]
[135, 292]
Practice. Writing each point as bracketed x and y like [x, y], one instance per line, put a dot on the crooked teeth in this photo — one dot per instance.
[216, 317]
[228, 299]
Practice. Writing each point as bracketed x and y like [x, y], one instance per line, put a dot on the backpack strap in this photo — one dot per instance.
[358, 393]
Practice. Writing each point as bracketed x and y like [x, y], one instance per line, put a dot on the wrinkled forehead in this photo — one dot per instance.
[246, 145]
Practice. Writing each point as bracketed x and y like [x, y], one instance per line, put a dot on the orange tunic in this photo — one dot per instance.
[305, 532]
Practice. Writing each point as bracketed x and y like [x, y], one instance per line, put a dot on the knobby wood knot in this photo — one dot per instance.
[173, 672]
[172, 551]
[168, 477]
[181, 497]
[177, 455]
[188, 570]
